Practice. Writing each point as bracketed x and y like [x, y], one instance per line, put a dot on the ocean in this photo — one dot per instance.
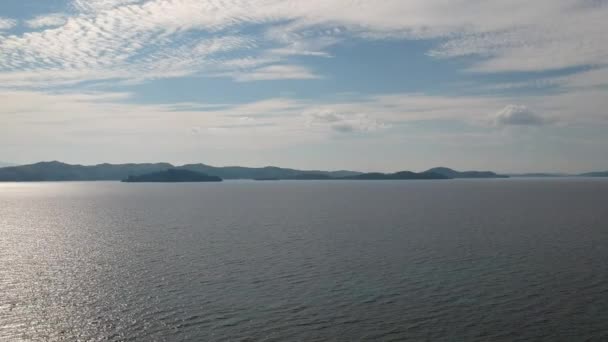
[454, 260]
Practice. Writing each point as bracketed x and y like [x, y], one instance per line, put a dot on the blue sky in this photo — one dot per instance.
[334, 84]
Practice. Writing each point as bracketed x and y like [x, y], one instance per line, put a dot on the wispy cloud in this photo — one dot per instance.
[597, 77]
[275, 72]
[342, 123]
[49, 20]
[7, 24]
[117, 36]
[92, 6]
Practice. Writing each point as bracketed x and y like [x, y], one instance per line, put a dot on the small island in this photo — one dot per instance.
[172, 176]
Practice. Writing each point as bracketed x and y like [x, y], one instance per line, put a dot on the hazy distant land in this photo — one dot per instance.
[465, 174]
[5, 164]
[172, 176]
[596, 174]
[58, 171]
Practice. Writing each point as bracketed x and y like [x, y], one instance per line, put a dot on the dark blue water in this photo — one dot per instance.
[478, 260]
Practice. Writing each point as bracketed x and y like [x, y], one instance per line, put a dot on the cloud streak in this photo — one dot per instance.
[275, 72]
[343, 123]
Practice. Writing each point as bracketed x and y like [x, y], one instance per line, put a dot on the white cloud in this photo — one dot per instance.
[7, 24]
[50, 20]
[518, 115]
[275, 72]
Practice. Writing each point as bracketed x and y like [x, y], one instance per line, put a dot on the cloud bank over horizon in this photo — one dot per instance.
[307, 83]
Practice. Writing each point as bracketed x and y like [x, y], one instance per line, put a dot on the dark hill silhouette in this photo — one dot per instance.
[269, 172]
[172, 176]
[403, 175]
[539, 175]
[450, 173]
[57, 171]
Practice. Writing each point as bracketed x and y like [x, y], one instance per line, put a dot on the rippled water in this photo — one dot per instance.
[479, 260]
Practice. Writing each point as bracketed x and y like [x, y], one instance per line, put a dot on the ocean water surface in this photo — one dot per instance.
[458, 260]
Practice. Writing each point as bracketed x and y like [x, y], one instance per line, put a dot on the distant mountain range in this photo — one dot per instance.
[595, 174]
[57, 171]
[269, 172]
[539, 175]
[182, 175]
[398, 176]
[554, 175]
[449, 173]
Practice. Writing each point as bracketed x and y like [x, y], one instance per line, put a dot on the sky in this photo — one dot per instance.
[503, 85]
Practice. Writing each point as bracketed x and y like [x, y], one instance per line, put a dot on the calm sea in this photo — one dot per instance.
[476, 260]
